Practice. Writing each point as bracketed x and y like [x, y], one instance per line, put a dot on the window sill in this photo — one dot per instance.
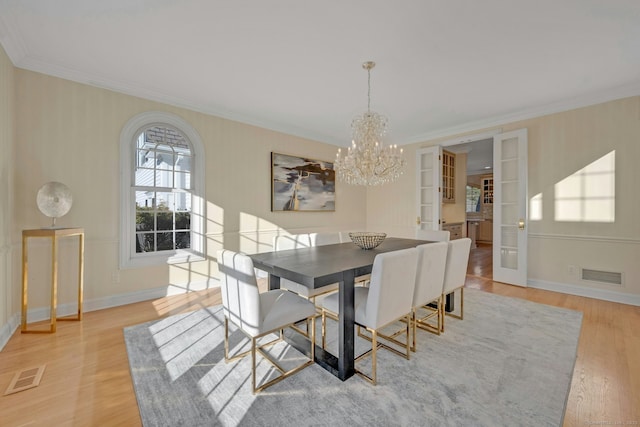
[151, 260]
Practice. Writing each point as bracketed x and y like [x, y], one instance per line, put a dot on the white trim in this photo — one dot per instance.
[17, 53]
[597, 239]
[14, 47]
[472, 138]
[601, 294]
[42, 313]
[133, 89]
[620, 92]
[128, 258]
[7, 330]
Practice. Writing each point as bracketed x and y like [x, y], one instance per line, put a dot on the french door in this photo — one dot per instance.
[510, 207]
[428, 178]
[509, 201]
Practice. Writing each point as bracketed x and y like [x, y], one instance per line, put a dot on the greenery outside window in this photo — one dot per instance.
[473, 198]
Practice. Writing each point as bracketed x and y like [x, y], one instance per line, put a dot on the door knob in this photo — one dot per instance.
[521, 224]
[418, 221]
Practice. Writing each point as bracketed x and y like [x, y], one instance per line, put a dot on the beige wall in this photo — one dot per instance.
[7, 135]
[70, 132]
[59, 130]
[558, 145]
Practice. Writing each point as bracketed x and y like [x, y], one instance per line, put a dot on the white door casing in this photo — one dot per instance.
[510, 207]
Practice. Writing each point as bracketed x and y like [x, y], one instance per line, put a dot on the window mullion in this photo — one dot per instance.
[161, 159]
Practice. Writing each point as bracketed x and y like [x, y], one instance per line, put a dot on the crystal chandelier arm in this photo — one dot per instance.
[367, 161]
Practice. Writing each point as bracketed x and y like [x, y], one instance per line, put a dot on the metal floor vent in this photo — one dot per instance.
[608, 277]
[25, 379]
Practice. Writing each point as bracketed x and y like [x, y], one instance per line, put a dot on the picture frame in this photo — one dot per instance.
[302, 184]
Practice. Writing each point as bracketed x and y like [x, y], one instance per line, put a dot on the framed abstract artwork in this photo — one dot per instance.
[302, 184]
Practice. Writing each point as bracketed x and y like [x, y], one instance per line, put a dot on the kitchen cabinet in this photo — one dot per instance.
[448, 177]
[487, 189]
[454, 229]
[485, 231]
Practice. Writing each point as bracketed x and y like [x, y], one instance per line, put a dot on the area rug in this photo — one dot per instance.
[509, 362]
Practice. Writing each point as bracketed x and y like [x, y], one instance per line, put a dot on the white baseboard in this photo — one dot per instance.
[603, 294]
[42, 313]
[7, 330]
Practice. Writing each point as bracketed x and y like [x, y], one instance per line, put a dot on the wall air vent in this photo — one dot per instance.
[599, 276]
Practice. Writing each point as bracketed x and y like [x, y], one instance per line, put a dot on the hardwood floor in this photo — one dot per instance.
[87, 380]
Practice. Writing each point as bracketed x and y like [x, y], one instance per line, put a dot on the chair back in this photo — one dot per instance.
[239, 288]
[320, 239]
[457, 262]
[292, 241]
[433, 235]
[432, 261]
[390, 295]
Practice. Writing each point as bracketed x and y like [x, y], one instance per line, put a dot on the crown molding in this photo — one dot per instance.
[13, 45]
[18, 54]
[619, 92]
[37, 65]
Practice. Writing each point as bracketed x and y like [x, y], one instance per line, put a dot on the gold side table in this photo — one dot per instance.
[53, 234]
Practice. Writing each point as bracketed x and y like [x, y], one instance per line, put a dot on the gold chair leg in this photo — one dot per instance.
[442, 317]
[461, 316]
[374, 358]
[313, 338]
[440, 310]
[283, 374]
[255, 347]
[461, 306]
[413, 325]
[226, 338]
[324, 328]
[408, 345]
[253, 365]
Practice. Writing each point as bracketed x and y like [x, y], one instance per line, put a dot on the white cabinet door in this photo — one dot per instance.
[428, 177]
[510, 207]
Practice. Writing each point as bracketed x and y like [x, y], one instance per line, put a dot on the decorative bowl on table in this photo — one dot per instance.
[367, 240]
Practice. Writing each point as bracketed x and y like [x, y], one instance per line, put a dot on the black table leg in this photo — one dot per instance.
[346, 339]
[449, 302]
[274, 282]
[342, 366]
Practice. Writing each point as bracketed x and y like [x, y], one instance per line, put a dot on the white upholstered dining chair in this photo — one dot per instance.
[387, 299]
[433, 235]
[456, 273]
[432, 260]
[259, 314]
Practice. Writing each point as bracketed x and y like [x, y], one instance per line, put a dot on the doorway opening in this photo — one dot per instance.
[479, 200]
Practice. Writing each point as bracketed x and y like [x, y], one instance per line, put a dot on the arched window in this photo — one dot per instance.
[162, 188]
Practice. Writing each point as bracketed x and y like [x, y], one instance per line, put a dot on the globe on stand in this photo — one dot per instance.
[54, 200]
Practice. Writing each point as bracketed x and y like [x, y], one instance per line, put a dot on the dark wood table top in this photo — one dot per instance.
[322, 265]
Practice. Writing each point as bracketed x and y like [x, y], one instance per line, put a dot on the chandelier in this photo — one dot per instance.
[367, 161]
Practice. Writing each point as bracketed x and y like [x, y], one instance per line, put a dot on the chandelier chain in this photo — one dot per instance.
[369, 90]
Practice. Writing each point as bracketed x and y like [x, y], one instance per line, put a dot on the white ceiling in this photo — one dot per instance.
[443, 66]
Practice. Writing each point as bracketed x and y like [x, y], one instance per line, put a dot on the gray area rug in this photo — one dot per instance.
[508, 363]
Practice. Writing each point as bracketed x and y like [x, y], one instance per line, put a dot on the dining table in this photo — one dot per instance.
[318, 266]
